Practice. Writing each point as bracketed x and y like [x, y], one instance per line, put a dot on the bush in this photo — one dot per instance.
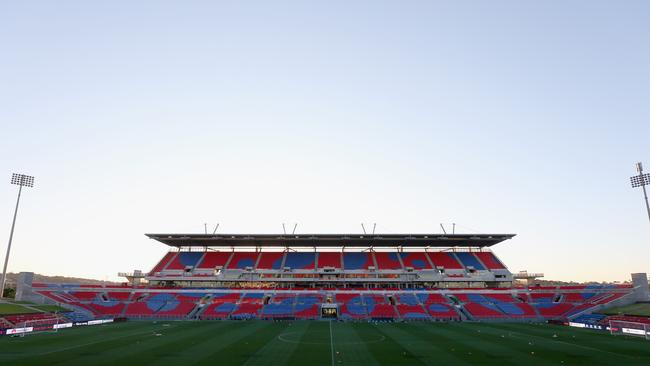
[9, 292]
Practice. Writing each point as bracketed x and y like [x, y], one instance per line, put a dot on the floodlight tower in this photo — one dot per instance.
[641, 180]
[21, 180]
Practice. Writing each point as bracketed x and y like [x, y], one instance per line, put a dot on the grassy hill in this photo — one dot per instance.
[11, 279]
[638, 309]
[12, 308]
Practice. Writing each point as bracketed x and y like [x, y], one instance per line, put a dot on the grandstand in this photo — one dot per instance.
[350, 277]
[313, 261]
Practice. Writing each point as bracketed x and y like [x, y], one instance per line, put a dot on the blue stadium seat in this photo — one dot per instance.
[468, 259]
[300, 260]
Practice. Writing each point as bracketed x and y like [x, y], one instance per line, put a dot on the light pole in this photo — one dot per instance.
[641, 180]
[21, 181]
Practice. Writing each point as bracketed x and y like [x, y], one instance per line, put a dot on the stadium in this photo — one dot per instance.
[332, 294]
[489, 146]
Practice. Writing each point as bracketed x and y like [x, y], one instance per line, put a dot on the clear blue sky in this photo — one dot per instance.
[152, 116]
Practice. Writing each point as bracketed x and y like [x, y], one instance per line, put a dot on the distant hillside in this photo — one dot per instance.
[11, 280]
[571, 283]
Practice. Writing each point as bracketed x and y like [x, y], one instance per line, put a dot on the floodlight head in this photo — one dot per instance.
[640, 180]
[22, 180]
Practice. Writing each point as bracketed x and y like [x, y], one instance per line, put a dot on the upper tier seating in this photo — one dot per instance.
[270, 260]
[489, 260]
[417, 260]
[214, 259]
[388, 260]
[241, 260]
[444, 259]
[357, 260]
[184, 259]
[174, 262]
[300, 260]
[469, 260]
[329, 259]
[163, 262]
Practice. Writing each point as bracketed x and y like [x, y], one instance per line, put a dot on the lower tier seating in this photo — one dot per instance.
[547, 303]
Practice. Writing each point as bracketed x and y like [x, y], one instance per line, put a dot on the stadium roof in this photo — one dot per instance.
[330, 240]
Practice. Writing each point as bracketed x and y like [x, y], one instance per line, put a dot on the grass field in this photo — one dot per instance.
[18, 307]
[323, 343]
[641, 309]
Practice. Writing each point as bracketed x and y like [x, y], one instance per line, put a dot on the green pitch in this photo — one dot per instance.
[323, 343]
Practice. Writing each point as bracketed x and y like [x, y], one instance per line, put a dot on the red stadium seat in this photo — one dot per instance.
[329, 259]
[489, 260]
[388, 260]
[444, 259]
[214, 259]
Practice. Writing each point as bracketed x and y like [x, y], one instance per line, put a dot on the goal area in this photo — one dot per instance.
[622, 327]
[38, 326]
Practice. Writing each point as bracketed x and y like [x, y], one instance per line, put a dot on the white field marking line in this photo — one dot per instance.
[92, 343]
[332, 343]
[572, 345]
[284, 337]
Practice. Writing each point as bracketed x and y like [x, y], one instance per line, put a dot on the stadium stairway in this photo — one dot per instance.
[123, 313]
[478, 259]
[199, 261]
[198, 312]
[200, 307]
[397, 314]
[164, 268]
[463, 314]
[5, 324]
